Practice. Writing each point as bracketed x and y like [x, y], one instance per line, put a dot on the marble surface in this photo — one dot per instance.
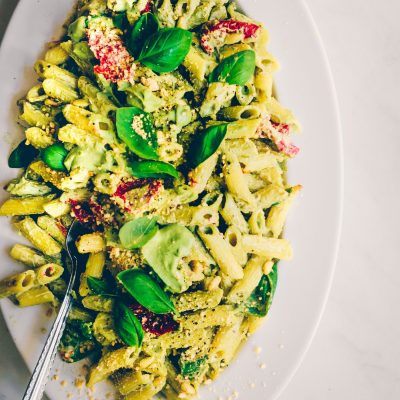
[355, 354]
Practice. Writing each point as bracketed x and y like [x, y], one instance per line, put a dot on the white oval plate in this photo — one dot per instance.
[305, 85]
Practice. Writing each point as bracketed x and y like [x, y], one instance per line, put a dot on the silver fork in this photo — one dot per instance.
[41, 373]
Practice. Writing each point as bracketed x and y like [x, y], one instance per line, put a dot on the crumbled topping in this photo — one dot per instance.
[116, 64]
[279, 134]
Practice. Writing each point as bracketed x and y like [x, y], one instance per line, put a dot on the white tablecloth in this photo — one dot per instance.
[356, 353]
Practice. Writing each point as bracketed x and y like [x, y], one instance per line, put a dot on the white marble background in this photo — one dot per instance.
[356, 353]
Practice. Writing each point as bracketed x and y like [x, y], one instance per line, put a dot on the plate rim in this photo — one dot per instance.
[340, 196]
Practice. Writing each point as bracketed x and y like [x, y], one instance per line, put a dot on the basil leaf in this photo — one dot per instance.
[136, 130]
[22, 155]
[165, 50]
[191, 369]
[152, 169]
[100, 286]
[260, 300]
[146, 291]
[144, 27]
[206, 143]
[120, 21]
[127, 325]
[135, 234]
[54, 156]
[237, 69]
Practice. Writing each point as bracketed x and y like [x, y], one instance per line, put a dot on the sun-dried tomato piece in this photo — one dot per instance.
[218, 30]
[157, 324]
[147, 8]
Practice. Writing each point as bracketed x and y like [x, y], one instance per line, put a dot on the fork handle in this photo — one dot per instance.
[42, 370]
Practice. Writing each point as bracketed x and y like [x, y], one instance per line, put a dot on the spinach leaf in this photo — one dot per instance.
[136, 130]
[191, 369]
[135, 234]
[206, 143]
[146, 291]
[144, 27]
[100, 286]
[152, 169]
[260, 300]
[236, 69]
[165, 50]
[120, 21]
[127, 325]
[54, 156]
[22, 155]
[77, 341]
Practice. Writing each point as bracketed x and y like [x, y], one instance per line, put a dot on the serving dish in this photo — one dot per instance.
[305, 85]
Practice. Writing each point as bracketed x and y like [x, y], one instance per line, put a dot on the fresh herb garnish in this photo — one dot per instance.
[260, 300]
[146, 291]
[54, 156]
[236, 69]
[165, 50]
[135, 234]
[146, 26]
[136, 130]
[152, 169]
[190, 369]
[22, 155]
[206, 143]
[100, 286]
[127, 325]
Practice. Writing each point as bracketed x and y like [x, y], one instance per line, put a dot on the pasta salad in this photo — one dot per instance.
[154, 124]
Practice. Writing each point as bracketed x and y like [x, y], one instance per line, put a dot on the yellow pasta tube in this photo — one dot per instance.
[54, 177]
[221, 315]
[268, 247]
[98, 303]
[59, 91]
[232, 215]
[55, 229]
[17, 283]
[233, 236]
[224, 346]
[48, 273]
[27, 256]
[221, 252]
[57, 208]
[278, 214]
[56, 55]
[270, 195]
[74, 135]
[111, 362]
[253, 273]
[35, 296]
[257, 222]
[103, 329]
[33, 116]
[94, 267]
[39, 238]
[183, 338]
[243, 129]
[193, 301]
[236, 181]
[47, 70]
[91, 243]
[39, 138]
[24, 206]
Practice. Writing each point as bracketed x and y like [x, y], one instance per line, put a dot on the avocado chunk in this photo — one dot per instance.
[164, 253]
